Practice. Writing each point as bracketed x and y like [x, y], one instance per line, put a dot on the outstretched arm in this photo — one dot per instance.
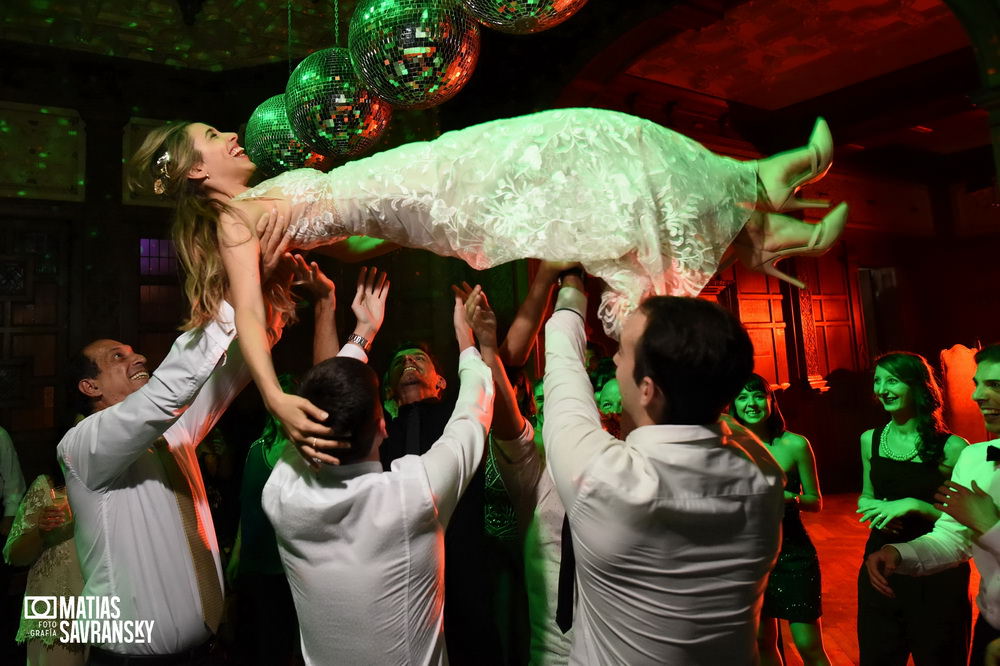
[527, 322]
[572, 431]
[324, 295]
[369, 308]
[453, 459]
[240, 251]
[508, 423]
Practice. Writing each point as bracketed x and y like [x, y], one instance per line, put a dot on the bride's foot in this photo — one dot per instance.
[770, 237]
[783, 174]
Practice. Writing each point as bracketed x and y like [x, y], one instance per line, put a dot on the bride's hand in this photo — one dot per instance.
[302, 422]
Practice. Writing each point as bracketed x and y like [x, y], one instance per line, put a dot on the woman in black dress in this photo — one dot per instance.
[904, 462]
[793, 590]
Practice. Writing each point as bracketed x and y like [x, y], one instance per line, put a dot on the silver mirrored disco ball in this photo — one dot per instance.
[330, 109]
[413, 53]
[522, 16]
[271, 143]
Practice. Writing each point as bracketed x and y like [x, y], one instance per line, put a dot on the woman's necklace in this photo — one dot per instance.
[886, 452]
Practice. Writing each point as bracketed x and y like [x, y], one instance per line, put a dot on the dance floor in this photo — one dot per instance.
[840, 540]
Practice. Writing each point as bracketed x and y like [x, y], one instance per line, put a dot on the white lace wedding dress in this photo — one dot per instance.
[644, 208]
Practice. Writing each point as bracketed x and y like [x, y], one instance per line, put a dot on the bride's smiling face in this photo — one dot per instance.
[222, 157]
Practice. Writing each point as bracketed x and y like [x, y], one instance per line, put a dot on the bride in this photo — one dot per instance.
[644, 208]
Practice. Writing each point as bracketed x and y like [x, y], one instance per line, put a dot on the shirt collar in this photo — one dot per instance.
[676, 433]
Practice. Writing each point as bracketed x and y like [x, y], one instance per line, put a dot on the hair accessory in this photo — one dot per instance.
[162, 162]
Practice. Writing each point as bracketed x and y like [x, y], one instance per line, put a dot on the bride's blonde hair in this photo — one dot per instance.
[161, 165]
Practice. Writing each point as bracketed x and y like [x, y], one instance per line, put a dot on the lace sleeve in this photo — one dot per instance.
[28, 511]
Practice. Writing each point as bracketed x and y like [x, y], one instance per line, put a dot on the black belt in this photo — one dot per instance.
[100, 657]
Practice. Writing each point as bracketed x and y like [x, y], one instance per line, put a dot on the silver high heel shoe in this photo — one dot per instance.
[783, 174]
[824, 234]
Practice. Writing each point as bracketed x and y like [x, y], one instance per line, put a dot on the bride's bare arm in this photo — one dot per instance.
[357, 248]
[240, 252]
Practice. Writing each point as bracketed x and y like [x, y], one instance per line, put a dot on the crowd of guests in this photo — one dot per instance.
[644, 510]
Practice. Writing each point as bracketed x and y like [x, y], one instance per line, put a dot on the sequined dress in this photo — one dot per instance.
[794, 590]
[641, 206]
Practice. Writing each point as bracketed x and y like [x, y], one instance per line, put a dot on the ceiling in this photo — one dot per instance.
[215, 35]
[774, 56]
[774, 53]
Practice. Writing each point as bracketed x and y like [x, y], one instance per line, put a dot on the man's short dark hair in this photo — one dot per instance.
[347, 390]
[989, 354]
[79, 367]
[697, 353]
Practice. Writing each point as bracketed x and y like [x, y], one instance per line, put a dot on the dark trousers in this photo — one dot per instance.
[982, 635]
[930, 618]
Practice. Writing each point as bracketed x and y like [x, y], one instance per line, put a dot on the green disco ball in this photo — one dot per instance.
[330, 109]
[522, 16]
[271, 143]
[413, 53]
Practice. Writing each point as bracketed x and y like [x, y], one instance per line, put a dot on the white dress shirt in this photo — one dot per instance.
[128, 528]
[950, 542]
[540, 516]
[363, 549]
[675, 529]
[11, 479]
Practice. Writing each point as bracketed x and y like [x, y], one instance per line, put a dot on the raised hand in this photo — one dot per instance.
[478, 315]
[272, 233]
[369, 301]
[309, 276]
[973, 507]
[463, 332]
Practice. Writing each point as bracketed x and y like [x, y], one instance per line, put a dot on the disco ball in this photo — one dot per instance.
[328, 107]
[413, 53]
[270, 142]
[522, 16]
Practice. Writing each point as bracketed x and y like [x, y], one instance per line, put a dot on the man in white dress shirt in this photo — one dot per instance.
[676, 528]
[970, 521]
[363, 548]
[143, 528]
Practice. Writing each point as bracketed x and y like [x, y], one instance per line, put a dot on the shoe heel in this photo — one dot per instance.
[769, 268]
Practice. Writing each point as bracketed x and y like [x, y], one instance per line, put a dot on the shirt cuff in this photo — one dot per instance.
[908, 557]
[571, 299]
[467, 353]
[518, 447]
[353, 350]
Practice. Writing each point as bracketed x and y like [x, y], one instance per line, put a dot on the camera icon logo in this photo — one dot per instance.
[40, 608]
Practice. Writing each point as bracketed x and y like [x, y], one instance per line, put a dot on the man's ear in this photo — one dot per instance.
[652, 400]
[90, 388]
[442, 384]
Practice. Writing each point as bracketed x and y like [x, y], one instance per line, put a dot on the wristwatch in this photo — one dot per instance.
[359, 341]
